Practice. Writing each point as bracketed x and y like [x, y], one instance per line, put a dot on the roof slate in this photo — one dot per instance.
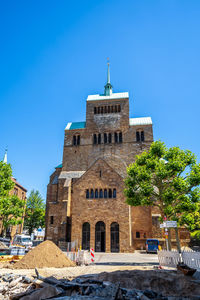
[75, 125]
[140, 121]
[68, 175]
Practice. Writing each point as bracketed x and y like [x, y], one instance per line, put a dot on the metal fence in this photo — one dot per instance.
[81, 257]
[72, 256]
[72, 246]
[191, 258]
[172, 258]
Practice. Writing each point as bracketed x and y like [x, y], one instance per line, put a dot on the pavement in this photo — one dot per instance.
[138, 258]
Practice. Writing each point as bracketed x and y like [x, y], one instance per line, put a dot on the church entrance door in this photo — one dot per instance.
[100, 237]
[114, 237]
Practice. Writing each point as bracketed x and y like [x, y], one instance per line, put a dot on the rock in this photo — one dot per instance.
[196, 275]
[15, 281]
[150, 294]
[26, 279]
[43, 293]
[8, 277]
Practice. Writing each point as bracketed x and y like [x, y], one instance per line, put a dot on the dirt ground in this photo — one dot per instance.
[71, 272]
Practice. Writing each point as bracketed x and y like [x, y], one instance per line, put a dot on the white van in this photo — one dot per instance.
[22, 240]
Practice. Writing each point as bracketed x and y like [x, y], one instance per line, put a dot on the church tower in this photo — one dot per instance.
[85, 199]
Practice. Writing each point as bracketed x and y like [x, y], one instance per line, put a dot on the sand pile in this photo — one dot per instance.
[45, 255]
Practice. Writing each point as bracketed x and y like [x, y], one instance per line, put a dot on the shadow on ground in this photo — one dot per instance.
[165, 282]
[126, 264]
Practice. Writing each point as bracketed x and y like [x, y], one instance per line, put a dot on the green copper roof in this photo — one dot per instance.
[59, 166]
[75, 125]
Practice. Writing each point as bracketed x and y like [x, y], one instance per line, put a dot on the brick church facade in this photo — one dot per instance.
[85, 199]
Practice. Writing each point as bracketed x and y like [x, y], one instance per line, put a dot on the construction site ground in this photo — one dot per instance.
[137, 272]
[104, 262]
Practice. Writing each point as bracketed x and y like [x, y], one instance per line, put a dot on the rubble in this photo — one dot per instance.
[16, 287]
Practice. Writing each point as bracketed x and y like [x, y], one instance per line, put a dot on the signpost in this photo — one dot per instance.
[171, 224]
[168, 224]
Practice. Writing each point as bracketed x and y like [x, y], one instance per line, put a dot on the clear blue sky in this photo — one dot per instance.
[53, 54]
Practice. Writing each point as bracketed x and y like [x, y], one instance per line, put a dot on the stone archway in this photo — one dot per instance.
[100, 237]
[114, 237]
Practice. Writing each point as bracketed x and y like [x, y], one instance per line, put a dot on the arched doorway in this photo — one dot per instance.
[114, 237]
[86, 236]
[100, 237]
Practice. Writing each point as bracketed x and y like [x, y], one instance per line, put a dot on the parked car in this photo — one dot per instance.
[22, 240]
[152, 245]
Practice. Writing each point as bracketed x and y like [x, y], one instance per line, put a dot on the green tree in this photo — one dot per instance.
[35, 212]
[167, 179]
[191, 220]
[11, 207]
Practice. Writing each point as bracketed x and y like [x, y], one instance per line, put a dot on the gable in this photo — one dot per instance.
[101, 171]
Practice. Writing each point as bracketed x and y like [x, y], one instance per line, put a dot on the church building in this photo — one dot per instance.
[85, 198]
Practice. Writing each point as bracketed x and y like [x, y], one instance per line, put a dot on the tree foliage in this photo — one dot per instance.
[11, 207]
[167, 179]
[35, 212]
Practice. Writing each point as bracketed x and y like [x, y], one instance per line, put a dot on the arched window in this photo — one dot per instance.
[101, 193]
[99, 138]
[116, 108]
[110, 193]
[94, 139]
[105, 138]
[116, 137]
[91, 194]
[102, 110]
[86, 236]
[110, 138]
[105, 109]
[96, 194]
[100, 237]
[87, 194]
[95, 110]
[137, 136]
[74, 140]
[108, 109]
[120, 137]
[98, 110]
[119, 108]
[105, 193]
[137, 234]
[112, 110]
[114, 193]
[142, 136]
